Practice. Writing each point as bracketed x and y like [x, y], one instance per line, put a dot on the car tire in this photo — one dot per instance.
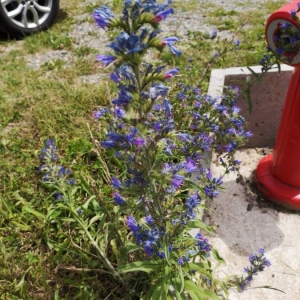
[19, 18]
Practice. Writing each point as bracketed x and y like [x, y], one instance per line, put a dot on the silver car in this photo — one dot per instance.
[23, 17]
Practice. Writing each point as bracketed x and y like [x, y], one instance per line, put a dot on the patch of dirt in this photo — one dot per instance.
[255, 198]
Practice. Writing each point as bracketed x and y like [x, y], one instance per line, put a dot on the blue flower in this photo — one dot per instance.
[162, 15]
[180, 261]
[132, 224]
[279, 51]
[103, 16]
[169, 41]
[119, 112]
[49, 151]
[116, 183]
[127, 44]
[203, 245]
[124, 98]
[139, 142]
[258, 264]
[115, 77]
[119, 199]
[149, 220]
[171, 73]
[237, 42]
[177, 180]
[106, 59]
[190, 166]
[293, 13]
[213, 34]
[157, 90]
[100, 112]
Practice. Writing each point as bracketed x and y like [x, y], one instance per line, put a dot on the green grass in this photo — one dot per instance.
[52, 103]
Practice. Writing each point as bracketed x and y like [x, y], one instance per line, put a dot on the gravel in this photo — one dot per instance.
[86, 33]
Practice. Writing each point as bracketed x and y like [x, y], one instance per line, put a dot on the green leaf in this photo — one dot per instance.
[147, 266]
[85, 186]
[7, 206]
[197, 223]
[166, 249]
[23, 227]
[201, 268]
[87, 202]
[165, 283]
[34, 212]
[176, 283]
[199, 293]
[181, 279]
[94, 219]
[131, 247]
[253, 72]
[249, 101]
[67, 219]
[217, 256]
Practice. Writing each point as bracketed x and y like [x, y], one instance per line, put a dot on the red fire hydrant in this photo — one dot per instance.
[278, 174]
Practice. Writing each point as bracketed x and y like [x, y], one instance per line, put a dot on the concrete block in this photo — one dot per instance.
[268, 98]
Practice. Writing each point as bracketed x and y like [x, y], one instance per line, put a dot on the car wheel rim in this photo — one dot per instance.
[27, 13]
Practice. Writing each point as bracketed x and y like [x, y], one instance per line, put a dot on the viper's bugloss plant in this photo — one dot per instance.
[160, 132]
[258, 264]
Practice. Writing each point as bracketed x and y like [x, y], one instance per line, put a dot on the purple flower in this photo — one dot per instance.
[132, 224]
[203, 244]
[231, 146]
[116, 183]
[127, 44]
[148, 250]
[293, 13]
[214, 34]
[109, 144]
[119, 112]
[248, 134]
[235, 109]
[180, 261]
[183, 137]
[279, 51]
[119, 199]
[149, 220]
[169, 41]
[123, 98]
[237, 43]
[103, 16]
[190, 166]
[193, 200]
[106, 59]
[158, 17]
[177, 180]
[157, 90]
[139, 142]
[171, 73]
[115, 77]
[100, 112]
[49, 151]
[71, 181]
